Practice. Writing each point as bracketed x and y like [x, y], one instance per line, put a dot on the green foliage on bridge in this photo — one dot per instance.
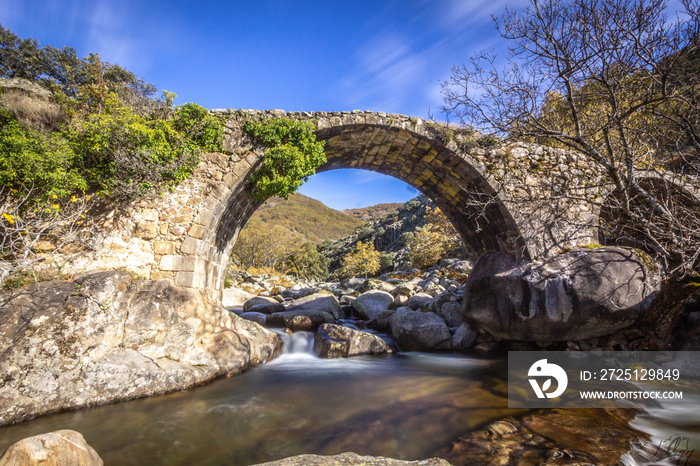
[292, 154]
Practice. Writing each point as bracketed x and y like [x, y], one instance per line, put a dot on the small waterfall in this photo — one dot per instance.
[298, 342]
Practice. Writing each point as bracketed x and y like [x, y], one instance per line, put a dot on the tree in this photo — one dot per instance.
[434, 240]
[260, 245]
[363, 260]
[606, 79]
[31, 236]
[305, 261]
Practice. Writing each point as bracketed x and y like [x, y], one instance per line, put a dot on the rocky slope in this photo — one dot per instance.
[376, 211]
[384, 232]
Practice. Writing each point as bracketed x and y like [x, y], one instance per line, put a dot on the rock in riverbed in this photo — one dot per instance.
[60, 448]
[574, 296]
[106, 337]
[419, 331]
[334, 341]
[369, 304]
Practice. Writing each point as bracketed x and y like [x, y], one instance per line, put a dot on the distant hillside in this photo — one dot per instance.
[307, 216]
[384, 232]
[376, 211]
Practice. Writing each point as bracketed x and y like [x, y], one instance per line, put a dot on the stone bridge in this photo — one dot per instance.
[500, 196]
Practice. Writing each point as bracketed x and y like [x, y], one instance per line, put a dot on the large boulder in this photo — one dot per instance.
[317, 302]
[452, 313]
[335, 341]
[235, 297]
[257, 317]
[303, 319]
[464, 338]
[374, 284]
[421, 301]
[576, 295]
[419, 331]
[369, 304]
[60, 448]
[263, 304]
[353, 283]
[106, 337]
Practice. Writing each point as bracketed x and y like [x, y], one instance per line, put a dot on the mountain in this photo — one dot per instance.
[376, 211]
[309, 217]
[385, 232]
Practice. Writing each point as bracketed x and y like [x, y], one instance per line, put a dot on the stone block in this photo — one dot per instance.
[186, 218]
[162, 275]
[196, 231]
[146, 230]
[170, 262]
[230, 180]
[190, 279]
[150, 214]
[190, 246]
[203, 217]
[163, 247]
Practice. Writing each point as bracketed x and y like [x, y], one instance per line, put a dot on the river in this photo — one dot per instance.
[403, 406]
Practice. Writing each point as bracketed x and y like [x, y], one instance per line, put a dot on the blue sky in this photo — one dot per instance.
[294, 55]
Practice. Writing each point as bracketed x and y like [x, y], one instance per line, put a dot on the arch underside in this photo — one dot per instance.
[449, 180]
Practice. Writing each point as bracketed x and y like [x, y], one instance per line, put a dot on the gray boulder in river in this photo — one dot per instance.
[263, 304]
[306, 320]
[419, 331]
[575, 295]
[106, 337]
[369, 304]
[335, 341]
[317, 302]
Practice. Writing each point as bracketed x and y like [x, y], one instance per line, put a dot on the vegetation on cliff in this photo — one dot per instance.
[73, 130]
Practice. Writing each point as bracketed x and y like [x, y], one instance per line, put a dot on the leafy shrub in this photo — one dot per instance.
[36, 164]
[307, 262]
[124, 154]
[434, 241]
[292, 155]
[204, 130]
[386, 261]
[363, 260]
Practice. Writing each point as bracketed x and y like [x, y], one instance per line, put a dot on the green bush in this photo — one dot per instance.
[124, 154]
[204, 130]
[43, 166]
[307, 262]
[104, 132]
[292, 155]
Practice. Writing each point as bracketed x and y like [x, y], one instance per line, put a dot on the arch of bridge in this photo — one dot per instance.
[487, 193]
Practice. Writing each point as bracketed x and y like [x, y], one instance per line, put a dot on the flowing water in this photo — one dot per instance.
[403, 406]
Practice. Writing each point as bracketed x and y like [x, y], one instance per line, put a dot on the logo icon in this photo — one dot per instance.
[542, 368]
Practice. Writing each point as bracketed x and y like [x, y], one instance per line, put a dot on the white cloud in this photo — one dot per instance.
[386, 69]
[470, 13]
[366, 176]
[108, 34]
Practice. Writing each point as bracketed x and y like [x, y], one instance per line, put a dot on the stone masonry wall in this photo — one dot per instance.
[500, 195]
